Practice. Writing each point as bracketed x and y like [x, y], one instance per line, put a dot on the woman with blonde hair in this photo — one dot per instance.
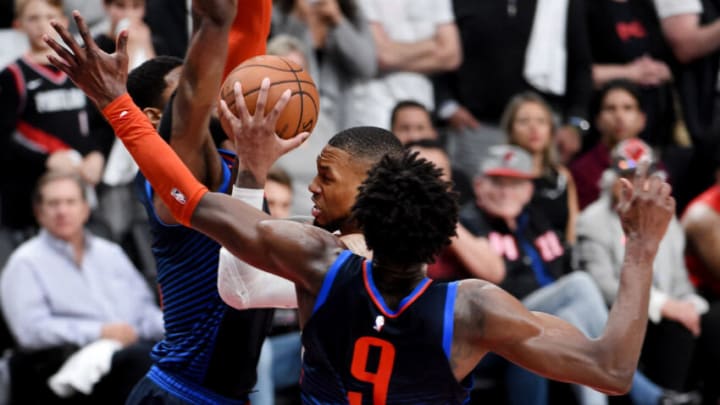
[528, 122]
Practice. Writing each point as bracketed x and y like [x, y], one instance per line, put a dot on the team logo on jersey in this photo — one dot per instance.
[178, 196]
[379, 323]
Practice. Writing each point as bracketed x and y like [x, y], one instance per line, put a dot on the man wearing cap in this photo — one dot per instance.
[676, 312]
[537, 264]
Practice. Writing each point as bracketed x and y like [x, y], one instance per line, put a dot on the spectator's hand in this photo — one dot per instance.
[645, 208]
[650, 72]
[101, 76]
[328, 11]
[682, 312]
[120, 331]
[256, 143]
[568, 141]
[66, 161]
[463, 119]
[91, 168]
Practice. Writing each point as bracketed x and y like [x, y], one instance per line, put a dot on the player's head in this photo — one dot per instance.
[619, 112]
[341, 167]
[528, 123]
[405, 210]
[410, 121]
[503, 187]
[60, 204]
[151, 84]
[33, 18]
[278, 192]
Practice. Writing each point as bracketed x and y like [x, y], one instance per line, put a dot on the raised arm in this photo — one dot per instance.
[497, 322]
[688, 38]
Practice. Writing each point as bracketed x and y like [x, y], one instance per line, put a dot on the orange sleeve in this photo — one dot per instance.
[171, 179]
[249, 32]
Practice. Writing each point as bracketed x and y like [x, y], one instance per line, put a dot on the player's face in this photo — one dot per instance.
[62, 211]
[503, 197]
[413, 124]
[620, 116]
[532, 127]
[335, 188]
[279, 198]
[35, 22]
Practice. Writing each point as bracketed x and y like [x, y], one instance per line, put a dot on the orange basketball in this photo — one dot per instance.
[301, 112]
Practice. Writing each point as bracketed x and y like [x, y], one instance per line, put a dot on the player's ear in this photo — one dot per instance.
[153, 114]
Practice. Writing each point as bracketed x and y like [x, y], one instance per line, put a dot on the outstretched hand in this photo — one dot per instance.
[101, 76]
[256, 144]
[645, 207]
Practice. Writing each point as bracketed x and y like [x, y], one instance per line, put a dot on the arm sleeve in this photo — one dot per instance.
[172, 180]
[669, 8]
[243, 286]
[29, 318]
[249, 32]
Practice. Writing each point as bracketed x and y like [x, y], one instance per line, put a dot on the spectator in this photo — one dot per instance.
[413, 39]
[528, 121]
[171, 20]
[44, 124]
[692, 28]
[102, 296]
[413, 126]
[701, 222]
[129, 14]
[338, 46]
[503, 44]
[619, 116]
[410, 121]
[627, 43]
[467, 256]
[536, 267]
[278, 192]
[676, 313]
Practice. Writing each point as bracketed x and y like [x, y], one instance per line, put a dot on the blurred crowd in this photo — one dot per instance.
[536, 110]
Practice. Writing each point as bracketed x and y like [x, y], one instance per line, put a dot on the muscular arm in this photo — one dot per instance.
[702, 227]
[555, 349]
[440, 53]
[689, 39]
[195, 98]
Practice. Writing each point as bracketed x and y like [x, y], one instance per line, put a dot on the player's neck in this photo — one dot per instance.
[396, 282]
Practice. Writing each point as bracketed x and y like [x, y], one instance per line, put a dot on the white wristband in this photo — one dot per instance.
[251, 196]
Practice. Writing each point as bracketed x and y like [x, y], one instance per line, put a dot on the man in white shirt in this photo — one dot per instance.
[413, 38]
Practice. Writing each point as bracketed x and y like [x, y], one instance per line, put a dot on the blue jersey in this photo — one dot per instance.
[359, 351]
[210, 350]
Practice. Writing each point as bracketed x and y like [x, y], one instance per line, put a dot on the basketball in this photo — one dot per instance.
[300, 113]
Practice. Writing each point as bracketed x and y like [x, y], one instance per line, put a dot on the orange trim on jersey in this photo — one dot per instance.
[173, 182]
[44, 141]
[249, 32]
[380, 302]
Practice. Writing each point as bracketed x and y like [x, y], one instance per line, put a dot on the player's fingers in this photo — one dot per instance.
[67, 38]
[279, 107]
[121, 43]
[294, 142]
[226, 114]
[626, 194]
[84, 30]
[60, 64]
[240, 106]
[62, 53]
[262, 99]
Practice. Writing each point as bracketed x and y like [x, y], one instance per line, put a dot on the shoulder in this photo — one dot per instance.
[26, 254]
[102, 245]
[699, 218]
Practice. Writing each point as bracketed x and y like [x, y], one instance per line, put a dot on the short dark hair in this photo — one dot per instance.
[146, 82]
[53, 176]
[405, 210]
[618, 84]
[426, 144]
[367, 143]
[407, 104]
